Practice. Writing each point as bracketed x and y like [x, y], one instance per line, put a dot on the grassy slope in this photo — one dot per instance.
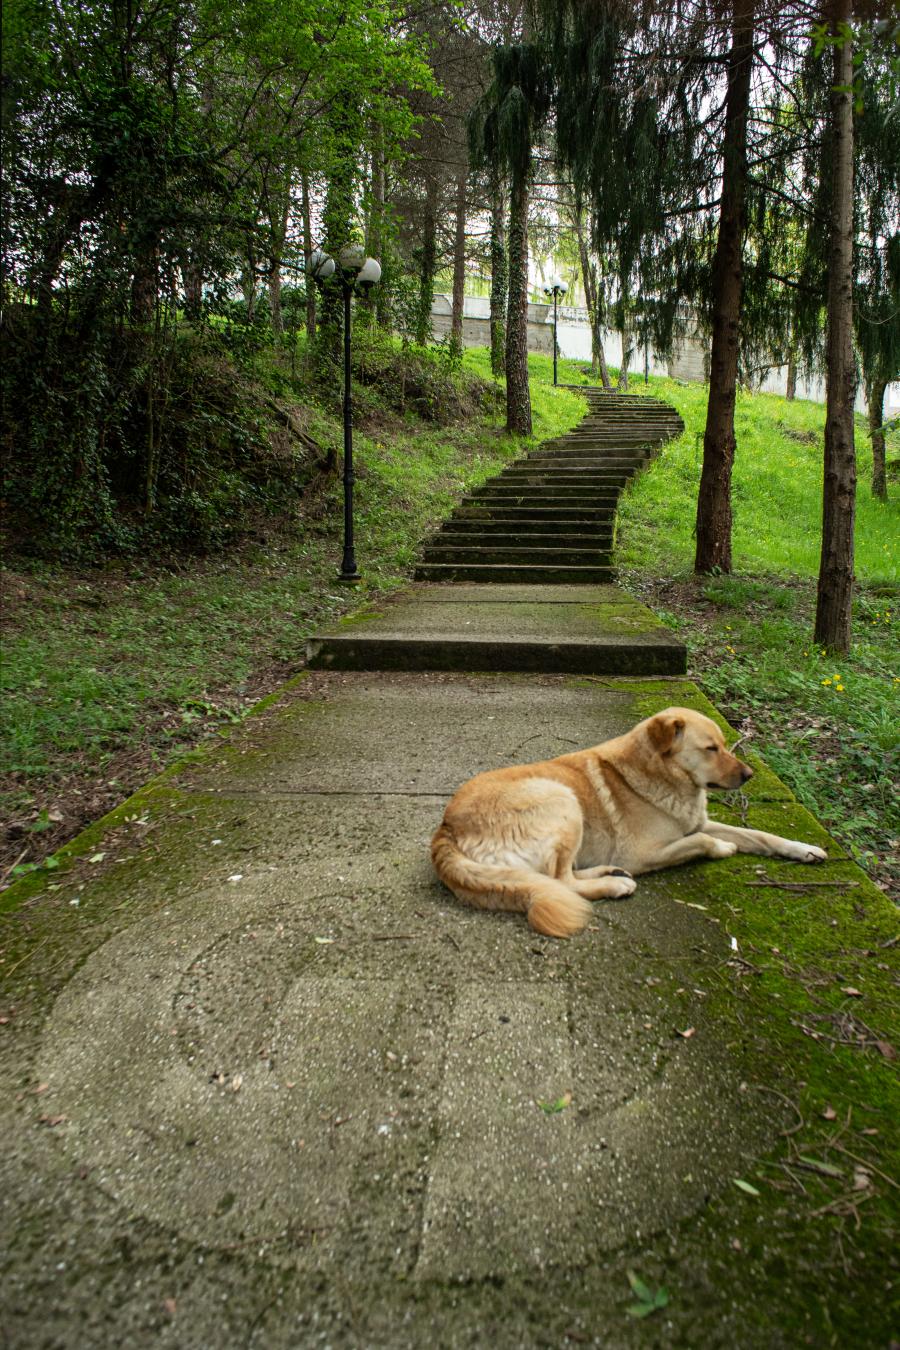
[834, 740]
[109, 673]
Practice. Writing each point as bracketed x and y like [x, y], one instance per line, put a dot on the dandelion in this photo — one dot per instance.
[826, 681]
[839, 688]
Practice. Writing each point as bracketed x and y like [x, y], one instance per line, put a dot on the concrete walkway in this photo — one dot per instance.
[267, 1084]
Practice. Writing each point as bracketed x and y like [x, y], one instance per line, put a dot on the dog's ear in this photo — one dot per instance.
[665, 731]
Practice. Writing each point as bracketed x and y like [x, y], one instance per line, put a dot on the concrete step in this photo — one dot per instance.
[519, 625]
[500, 492]
[509, 530]
[565, 473]
[600, 441]
[568, 514]
[559, 478]
[582, 464]
[451, 653]
[509, 572]
[521, 555]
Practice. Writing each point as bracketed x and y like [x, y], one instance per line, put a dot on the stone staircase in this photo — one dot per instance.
[550, 517]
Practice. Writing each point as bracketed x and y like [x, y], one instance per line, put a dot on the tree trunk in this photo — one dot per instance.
[627, 344]
[145, 283]
[518, 395]
[875, 390]
[459, 262]
[790, 392]
[499, 276]
[592, 300]
[428, 262]
[835, 592]
[277, 235]
[713, 551]
[307, 250]
[192, 278]
[248, 281]
[378, 245]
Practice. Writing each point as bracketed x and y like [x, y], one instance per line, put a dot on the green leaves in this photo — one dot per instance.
[649, 1300]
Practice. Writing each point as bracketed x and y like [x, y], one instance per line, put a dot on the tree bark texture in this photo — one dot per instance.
[713, 552]
[875, 392]
[627, 345]
[518, 395]
[379, 243]
[835, 591]
[790, 392]
[592, 301]
[307, 250]
[428, 263]
[278, 224]
[459, 262]
[499, 275]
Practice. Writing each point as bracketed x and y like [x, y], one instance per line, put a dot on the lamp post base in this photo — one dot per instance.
[349, 578]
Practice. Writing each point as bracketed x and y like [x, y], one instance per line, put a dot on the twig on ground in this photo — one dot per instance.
[787, 1101]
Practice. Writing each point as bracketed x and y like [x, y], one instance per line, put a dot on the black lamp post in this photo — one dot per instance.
[556, 288]
[355, 269]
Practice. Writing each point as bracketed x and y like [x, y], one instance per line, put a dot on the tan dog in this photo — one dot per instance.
[544, 839]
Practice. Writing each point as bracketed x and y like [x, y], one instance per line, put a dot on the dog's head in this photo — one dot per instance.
[689, 742]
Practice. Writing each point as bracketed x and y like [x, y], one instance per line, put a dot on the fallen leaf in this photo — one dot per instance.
[41, 1087]
[51, 1120]
[236, 1082]
[861, 1179]
[849, 990]
[886, 1049]
[551, 1108]
[170, 1305]
[745, 1186]
[687, 1033]
[829, 1113]
[869, 1130]
[816, 1165]
[323, 942]
[97, 858]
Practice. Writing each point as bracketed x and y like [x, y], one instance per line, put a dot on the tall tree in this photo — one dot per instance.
[835, 588]
[499, 271]
[713, 551]
[504, 128]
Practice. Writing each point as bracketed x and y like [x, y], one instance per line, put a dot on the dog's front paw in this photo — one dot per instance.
[809, 853]
[720, 848]
[620, 886]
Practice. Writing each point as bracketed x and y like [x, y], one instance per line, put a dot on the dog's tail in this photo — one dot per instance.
[551, 907]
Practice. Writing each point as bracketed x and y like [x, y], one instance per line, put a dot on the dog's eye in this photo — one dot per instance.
[712, 749]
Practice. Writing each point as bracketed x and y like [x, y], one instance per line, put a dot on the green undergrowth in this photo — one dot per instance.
[108, 672]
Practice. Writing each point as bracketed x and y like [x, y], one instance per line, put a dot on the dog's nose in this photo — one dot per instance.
[746, 772]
